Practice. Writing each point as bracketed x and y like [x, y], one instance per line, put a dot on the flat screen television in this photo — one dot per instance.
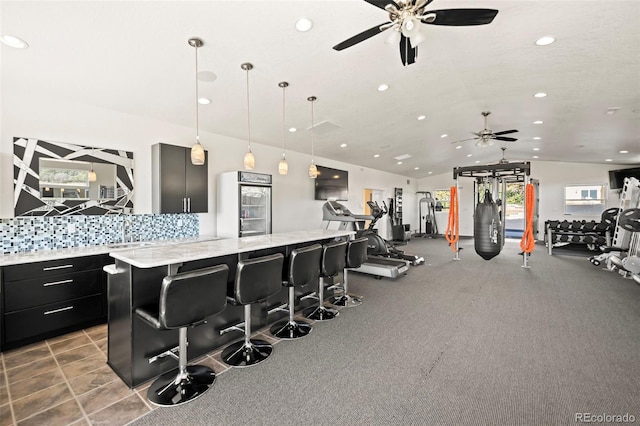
[332, 184]
[616, 177]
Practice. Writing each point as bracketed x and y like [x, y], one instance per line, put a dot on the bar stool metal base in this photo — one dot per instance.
[291, 330]
[242, 354]
[321, 313]
[174, 389]
[347, 301]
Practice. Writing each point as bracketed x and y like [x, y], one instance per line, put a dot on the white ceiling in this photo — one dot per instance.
[133, 57]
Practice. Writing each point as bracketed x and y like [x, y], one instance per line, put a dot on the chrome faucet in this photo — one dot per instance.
[127, 225]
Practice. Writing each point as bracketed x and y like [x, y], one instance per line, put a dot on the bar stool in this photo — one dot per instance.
[186, 300]
[256, 280]
[356, 256]
[332, 262]
[304, 267]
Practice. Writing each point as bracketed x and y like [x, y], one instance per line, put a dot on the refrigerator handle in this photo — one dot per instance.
[184, 205]
[189, 205]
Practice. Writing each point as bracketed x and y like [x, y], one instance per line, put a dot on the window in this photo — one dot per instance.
[442, 196]
[589, 200]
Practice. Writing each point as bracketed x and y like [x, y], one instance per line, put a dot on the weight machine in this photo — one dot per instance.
[489, 224]
[426, 213]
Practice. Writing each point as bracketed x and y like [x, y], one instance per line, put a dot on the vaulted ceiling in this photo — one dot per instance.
[133, 57]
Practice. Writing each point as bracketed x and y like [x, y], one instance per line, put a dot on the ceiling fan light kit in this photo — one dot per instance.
[406, 18]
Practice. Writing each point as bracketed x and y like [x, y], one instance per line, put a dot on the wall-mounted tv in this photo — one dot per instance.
[332, 184]
[616, 177]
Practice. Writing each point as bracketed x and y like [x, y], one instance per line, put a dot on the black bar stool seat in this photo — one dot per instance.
[332, 262]
[356, 256]
[186, 300]
[304, 267]
[256, 280]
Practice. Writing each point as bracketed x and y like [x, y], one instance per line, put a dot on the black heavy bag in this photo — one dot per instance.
[487, 229]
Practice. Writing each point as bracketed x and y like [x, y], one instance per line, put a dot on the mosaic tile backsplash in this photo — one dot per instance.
[27, 234]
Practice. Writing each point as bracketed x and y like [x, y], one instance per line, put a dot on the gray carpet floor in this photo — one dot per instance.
[451, 343]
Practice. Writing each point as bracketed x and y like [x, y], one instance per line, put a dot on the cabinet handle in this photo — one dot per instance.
[189, 205]
[51, 268]
[55, 311]
[184, 205]
[57, 282]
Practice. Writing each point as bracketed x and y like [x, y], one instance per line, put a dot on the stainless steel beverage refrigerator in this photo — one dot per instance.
[244, 204]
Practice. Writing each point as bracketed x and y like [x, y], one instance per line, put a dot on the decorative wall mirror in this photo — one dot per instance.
[54, 178]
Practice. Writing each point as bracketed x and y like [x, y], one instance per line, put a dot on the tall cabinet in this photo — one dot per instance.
[178, 186]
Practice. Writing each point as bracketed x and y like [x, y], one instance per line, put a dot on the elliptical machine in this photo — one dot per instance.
[378, 246]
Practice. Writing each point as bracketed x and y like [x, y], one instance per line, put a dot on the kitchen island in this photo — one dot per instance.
[135, 280]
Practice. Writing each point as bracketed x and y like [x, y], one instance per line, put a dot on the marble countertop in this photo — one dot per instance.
[44, 255]
[161, 255]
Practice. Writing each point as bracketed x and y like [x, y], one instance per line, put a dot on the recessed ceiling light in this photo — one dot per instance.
[429, 173]
[304, 24]
[383, 87]
[536, 138]
[399, 162]
[535, 156]
[612, 110]
[608, 159]
[545, 41]
[416, 168]
[343, 145]
[376, 155]
[402, 157]
[469, 155]
[444, 135]
[536, 149]
[459, 147]
[207, 76]
[477, 161]
[204, 101]
[422, 117]
[540, 95]
[13, 41]
[538, 122]
[292, 130]
[624, 151]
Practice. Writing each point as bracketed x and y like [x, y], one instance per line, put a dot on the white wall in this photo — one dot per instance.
[32, 115]
[553, 177]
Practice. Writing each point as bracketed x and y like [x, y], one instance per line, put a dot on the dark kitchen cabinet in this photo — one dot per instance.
[178, 186]
[41, 300]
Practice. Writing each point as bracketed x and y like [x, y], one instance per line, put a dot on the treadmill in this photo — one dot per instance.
[379, 266]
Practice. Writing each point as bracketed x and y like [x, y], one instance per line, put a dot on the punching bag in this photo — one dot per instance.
[487, 229]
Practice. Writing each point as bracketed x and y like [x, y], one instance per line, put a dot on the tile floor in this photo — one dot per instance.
[66, 381]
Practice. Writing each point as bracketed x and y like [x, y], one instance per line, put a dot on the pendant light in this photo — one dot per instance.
[249, 159]
[197, 151]
[283, 167]
[92, 176]
[313, 170]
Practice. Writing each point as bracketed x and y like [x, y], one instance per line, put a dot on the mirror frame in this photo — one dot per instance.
[27, 153]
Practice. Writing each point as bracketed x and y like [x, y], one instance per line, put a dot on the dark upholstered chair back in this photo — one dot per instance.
[190, 297]
[257, 279]
[333, 258]
[304, 265]
[357, 252]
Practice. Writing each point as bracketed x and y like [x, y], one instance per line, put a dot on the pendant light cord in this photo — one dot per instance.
[197, 103]
[248, 113]
[284, 88]
[312, 131]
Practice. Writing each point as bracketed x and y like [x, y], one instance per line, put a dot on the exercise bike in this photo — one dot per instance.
[378, 246]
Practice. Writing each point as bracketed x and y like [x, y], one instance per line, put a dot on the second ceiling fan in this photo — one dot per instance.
[406, 18]
[486, 136]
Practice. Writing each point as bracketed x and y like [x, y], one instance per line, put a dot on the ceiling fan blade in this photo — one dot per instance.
[460, 17]
[505, 132]
[464, 140]
[382, 3]
[407, 53]
[504, 138]
[359, 37]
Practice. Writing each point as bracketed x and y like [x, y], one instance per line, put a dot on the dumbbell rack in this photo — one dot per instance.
[591, 233]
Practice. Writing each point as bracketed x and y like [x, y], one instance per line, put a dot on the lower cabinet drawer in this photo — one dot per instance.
[42, 291]
[43, 319]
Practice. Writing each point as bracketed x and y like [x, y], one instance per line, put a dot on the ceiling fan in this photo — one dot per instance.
[485, 137]
[406, 17]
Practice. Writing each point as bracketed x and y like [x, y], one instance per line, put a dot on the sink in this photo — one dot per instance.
[131, 245]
